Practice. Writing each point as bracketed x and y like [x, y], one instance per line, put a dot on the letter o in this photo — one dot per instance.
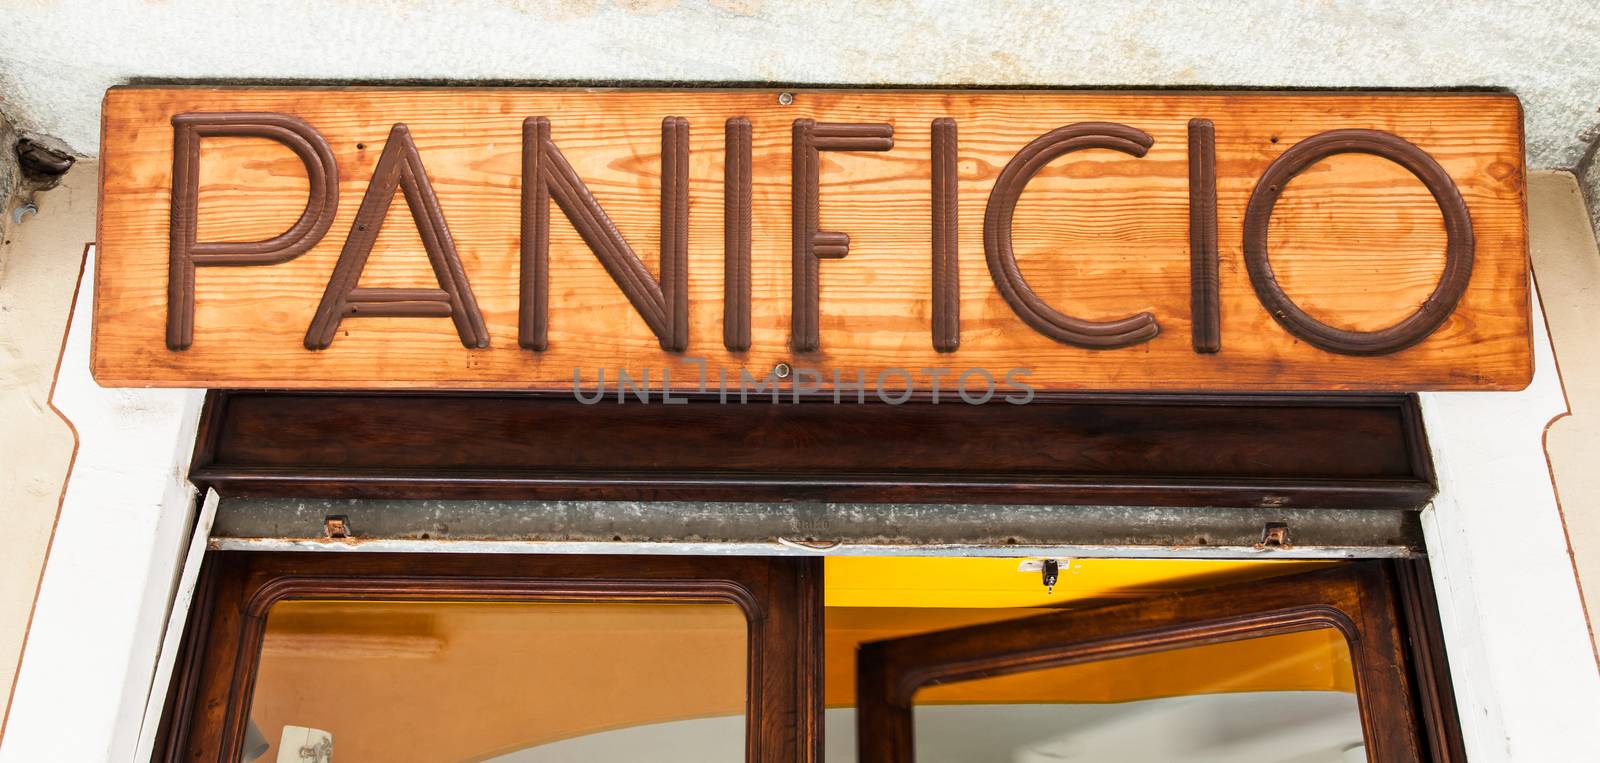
[1459, 244]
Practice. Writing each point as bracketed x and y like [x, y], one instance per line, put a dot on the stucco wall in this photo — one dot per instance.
[57, 58]
[9, 172]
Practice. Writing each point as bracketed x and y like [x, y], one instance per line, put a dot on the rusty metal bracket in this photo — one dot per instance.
[1274, 535]
[336, 526]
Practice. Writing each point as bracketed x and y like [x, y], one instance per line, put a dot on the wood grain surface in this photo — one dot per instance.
[1356, 240]
[1343, 451]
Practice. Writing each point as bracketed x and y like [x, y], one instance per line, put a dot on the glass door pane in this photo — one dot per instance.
[1287, 698]
[1303, 668]
[516, 682]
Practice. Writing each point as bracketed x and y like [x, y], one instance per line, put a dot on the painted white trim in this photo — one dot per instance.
[1520, 652]
[177, 618]
[119, 541]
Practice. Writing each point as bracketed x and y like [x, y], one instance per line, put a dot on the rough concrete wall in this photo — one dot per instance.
[1589, 181]
[9, 176]
[18, 181]
[57, 58]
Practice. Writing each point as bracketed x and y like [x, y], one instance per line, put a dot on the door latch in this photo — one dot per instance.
[1049, 571]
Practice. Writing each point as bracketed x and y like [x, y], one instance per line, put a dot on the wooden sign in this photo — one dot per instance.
[555, 239]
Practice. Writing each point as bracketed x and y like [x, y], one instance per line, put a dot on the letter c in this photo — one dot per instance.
[997, 220]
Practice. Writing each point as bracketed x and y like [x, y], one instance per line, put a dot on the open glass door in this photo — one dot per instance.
[1308, 668]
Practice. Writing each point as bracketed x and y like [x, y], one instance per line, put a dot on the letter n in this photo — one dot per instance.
[400, 166]
[547, 175]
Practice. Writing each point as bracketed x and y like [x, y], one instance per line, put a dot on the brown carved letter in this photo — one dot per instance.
[736, 185]
[946, 259]
[1205, 307]
[400, 166]
[1003, 260]
[810, 244]
[546, 175]
[186, 253]
[1459, 244]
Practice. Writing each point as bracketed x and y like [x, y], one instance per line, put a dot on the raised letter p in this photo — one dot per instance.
[186, 253]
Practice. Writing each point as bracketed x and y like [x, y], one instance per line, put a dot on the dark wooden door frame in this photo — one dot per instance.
[1282, 451]
[1351, 451]
[1388, 605]
[1376, 606]
[208, 701]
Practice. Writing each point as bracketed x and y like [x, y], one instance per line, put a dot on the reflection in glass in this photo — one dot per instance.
[518, 682]
[1276, 699]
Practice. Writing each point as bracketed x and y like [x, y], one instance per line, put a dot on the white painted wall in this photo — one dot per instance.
[58, 57]
[1521, 654]
[1566, 262]
[109, 578]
